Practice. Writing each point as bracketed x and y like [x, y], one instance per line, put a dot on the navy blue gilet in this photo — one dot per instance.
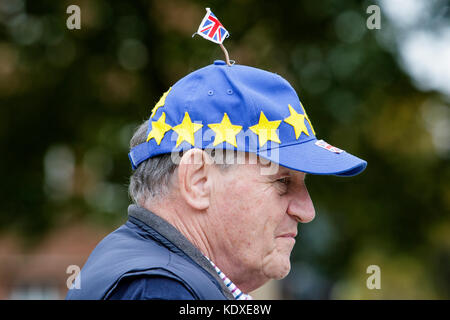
[136, 249]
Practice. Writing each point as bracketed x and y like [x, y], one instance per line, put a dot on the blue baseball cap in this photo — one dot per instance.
[241, 108]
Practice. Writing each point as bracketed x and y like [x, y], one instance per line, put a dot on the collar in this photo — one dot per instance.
[171, 234]
[237, 294]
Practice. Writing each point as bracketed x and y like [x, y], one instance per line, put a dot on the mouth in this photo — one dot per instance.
[288, 235]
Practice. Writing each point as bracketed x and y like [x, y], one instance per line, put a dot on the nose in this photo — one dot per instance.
[301, 207]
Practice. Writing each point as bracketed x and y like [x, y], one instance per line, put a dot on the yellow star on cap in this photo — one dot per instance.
[307, 118]
[159, 129]
[160, 103]
[186, 130]
[266, 130]
[297, 120]
[225, 131]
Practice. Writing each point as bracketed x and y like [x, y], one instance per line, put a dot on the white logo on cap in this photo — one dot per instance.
[328, 147]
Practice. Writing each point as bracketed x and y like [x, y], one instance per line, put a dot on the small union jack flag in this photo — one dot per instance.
[211, 28]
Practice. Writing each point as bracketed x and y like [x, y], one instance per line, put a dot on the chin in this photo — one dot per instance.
[284, 271]
[279, 270]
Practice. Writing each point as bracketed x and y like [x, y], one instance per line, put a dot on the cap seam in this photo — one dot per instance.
[192, 96]
[291, 144]
[253, 105]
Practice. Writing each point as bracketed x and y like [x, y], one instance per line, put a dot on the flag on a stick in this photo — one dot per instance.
[211, 28]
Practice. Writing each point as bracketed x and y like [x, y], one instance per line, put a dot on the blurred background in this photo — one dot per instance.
[71, 99]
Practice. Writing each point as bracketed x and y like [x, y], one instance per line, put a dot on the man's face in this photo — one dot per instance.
[257, 217]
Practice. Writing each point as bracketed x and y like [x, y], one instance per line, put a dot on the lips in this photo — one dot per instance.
[288, 235]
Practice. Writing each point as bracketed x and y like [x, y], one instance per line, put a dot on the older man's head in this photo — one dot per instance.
[240, 217]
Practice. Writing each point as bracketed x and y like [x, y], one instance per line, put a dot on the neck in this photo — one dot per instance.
[189, 224]
[241, 274]
[195, 227]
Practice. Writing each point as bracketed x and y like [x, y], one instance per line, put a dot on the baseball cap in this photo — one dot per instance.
[245, 109]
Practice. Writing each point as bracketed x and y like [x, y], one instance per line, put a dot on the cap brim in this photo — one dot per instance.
[310, 158]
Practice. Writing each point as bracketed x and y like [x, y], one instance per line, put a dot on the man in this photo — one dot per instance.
[219, 189]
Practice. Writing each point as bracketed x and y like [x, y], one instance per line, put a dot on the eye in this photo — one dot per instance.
[284, 180]
[282, 185]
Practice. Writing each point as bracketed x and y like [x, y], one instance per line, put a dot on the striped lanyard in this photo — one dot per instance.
[237, 294]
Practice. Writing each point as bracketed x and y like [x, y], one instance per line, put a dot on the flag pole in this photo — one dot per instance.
[227, 57]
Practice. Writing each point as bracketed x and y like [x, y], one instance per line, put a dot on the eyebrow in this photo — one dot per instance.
[289, 173]
[280, 173]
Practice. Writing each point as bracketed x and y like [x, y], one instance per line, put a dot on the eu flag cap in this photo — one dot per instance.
[241, 108]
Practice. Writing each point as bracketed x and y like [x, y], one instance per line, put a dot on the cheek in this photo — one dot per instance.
[254, 216]
[237, 195]
[239, 206]
[244, 210]
[249, 216]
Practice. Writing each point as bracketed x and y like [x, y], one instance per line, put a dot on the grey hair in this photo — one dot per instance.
[151, 179]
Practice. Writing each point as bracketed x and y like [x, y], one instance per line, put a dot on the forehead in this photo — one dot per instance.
[265, 169]
[250, 164]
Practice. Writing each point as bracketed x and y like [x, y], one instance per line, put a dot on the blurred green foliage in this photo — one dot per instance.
[70, 100]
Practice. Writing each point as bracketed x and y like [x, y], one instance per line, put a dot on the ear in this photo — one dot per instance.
[194, 178]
